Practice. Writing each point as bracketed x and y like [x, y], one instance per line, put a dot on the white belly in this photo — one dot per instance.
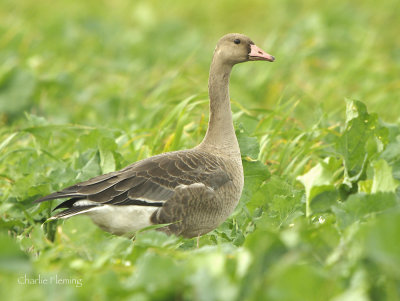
[121, 220]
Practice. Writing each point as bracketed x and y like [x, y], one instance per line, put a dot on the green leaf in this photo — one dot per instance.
[249, 146]
[107, 161]
[255, 174]
[360, 206]
[12, 259]
[324, 199]
[284, 202]
[382, 243]
[383, 179]
[265, 247]
[392, 155]
[91, 168]
[361, 138]
[283, 209]
[365, 186]
[149, 277]
[318, 180]
[298, 282]
[152, 238]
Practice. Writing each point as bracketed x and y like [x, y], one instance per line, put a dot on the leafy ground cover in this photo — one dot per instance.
[89, 87]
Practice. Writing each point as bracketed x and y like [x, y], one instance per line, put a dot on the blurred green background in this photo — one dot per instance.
[85, 61]
[87, 87]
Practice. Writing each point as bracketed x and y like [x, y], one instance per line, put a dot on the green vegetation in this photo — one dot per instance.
[87, 87]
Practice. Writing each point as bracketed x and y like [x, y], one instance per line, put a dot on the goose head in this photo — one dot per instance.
[237, 48]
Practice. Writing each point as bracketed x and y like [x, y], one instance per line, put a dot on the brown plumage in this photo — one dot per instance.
[192, 191]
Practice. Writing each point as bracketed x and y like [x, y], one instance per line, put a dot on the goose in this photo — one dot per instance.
[187, 193]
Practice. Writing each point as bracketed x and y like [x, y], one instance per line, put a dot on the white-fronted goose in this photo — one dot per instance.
[191, 190]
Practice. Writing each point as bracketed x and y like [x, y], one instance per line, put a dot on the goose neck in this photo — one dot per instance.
[220, 136]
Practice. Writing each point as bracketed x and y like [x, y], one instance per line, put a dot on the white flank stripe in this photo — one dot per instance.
[194, 185]
[84, 203]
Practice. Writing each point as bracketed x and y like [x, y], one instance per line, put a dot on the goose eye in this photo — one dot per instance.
[237, 41]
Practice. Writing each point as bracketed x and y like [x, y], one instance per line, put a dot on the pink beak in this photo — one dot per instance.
[257, 54]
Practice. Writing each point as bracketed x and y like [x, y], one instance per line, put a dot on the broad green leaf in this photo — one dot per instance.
[89, 140]
[245, 120]
[90, 168]
[318, 180]
[359, 207]
[392, 155]
[382, 244]
[383, 179]
[294, 281]
[361, 139]
[12, 259]
[365, 186]
[255, 174]
[249, 146]
[107, 161]
[358, 289]
[324, 198]
[156, 273]
[283, 209]
[284, 203]
[153, 238]
[265, 248]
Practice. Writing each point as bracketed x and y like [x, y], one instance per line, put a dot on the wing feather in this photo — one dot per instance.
[149, 182]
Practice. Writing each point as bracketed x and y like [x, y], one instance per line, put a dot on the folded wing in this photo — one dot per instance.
[150, 182]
